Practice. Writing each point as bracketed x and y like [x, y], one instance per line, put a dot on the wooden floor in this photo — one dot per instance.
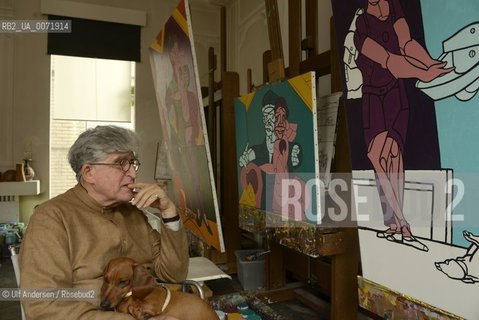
[291, 309]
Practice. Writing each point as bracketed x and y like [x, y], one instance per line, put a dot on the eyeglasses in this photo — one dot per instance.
[124, 164]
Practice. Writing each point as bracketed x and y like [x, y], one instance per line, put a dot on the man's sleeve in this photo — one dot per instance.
[170, 253]
[45, 263]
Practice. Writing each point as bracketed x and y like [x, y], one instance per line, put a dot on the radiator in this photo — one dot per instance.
[9, 209]
[9, 198]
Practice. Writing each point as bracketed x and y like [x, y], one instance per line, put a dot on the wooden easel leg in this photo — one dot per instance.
[275, 276]
[344, 282]
[228, 179]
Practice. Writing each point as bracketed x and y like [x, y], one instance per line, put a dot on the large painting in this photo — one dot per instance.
[182, 120]
[277, 145]
[285, 138]
[410, 88]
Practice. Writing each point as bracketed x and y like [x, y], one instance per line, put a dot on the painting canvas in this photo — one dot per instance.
[162, 167]
[277, 145]
[411, 101]
[182, 120]
[327, 126]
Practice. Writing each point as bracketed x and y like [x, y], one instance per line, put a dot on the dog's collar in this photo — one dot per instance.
[167, 299]
[165, 304]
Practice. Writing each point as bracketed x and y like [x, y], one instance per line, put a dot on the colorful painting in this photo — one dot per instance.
[182, 120]
[411, 88]
[390, 304]
[277, 144]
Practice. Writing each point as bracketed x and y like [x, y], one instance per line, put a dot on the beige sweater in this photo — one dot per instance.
[71, 238]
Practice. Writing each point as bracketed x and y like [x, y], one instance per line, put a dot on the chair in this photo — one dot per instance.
[14, 249]
[187, 286]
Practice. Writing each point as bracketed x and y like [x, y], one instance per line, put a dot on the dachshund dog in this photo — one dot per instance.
[128, 287]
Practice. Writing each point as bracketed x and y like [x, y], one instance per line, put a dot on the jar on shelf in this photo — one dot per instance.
[28, 170]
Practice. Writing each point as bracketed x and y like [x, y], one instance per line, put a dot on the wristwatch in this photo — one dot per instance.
[171, 219]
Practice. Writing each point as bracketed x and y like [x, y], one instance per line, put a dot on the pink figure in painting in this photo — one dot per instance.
[388, 53]
[285, 133]
[184, 103]
[184, 117]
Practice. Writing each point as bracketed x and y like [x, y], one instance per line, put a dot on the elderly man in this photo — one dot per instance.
[71, 237]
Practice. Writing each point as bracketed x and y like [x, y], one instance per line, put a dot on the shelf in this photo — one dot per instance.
[20, 188]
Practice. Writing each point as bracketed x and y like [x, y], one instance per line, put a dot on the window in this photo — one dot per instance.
[85, 92]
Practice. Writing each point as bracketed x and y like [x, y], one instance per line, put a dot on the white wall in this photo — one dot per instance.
[30, 99]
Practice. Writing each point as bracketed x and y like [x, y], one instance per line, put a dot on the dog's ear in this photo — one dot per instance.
[142, 283]
[106, 268]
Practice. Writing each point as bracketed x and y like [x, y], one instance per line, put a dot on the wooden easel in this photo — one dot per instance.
[337, 269]
[276, 65]
[221, 135]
